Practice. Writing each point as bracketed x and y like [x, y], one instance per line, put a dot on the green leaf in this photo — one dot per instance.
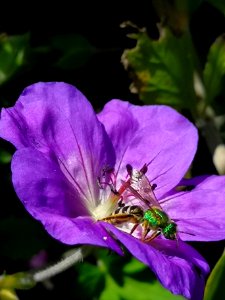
[119, 278]
[176, 14]
[20, 281]
[140, 289]
[7, 294]
[137, 280]
[133, 266]
[13, 51]
[75, 50]
[111, 291]
[140, 285]
[91, 279]
[215, 284]
[219, 4]
[192, 5]
[215, 69]
[162, 70]
[5, 157]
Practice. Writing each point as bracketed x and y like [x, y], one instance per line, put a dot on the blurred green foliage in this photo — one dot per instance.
[75, 50]
[215, 284]
[219, 4]
[5, 156]
[214, 71]
[116, 278]
[168, 70]
[13, 55]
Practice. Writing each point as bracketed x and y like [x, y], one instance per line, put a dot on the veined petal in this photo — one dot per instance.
[40, 184]
[199, 213]
[182, 250]
[156, 135]
[205, 182]
[52, 199]
[175, 272]
[77, 231]
[55, 118]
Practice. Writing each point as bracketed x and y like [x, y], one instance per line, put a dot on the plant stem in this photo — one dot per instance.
[64, 264]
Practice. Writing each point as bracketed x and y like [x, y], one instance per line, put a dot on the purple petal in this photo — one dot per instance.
[199, 213]
[178, 271]
[52, 199]
[77, 231]
[55, 118]
[182, 250]
[151, 134]
[206, 182]
[40, 184]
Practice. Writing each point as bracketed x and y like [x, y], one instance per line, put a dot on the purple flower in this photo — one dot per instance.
[63, 148]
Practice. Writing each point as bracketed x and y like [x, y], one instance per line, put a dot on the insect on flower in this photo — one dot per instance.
[153, 219]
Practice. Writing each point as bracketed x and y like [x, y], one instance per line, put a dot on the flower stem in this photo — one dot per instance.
[64, 264]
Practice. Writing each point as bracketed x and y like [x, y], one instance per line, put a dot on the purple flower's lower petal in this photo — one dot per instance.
[199, 213]
[56, 118]
[40, 184]
[182, 250]
[176, 273]
[77, 231]
[151, 134]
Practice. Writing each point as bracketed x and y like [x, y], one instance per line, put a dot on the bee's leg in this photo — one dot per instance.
[119, 219]
[145, 230]
[134, 228]
[153, 236]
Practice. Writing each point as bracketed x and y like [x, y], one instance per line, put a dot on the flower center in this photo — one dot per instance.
[120, 210]
[109, 194]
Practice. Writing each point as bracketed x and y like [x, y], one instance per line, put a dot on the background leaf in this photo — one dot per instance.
[117, 278]
[162, 70]
[215, 69]
[215, 284]
[75, 50]
[5, 156]
[13, 50]
[219, 4]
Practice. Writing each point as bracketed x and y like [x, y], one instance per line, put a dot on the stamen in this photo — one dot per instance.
[154, 186]
[107, 207]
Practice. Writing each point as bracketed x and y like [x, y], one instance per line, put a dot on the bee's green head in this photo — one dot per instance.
[170, 231]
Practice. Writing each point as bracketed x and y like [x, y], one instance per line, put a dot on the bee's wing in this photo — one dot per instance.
[142, 189]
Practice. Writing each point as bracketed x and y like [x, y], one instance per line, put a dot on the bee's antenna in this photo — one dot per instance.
[144, 169]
